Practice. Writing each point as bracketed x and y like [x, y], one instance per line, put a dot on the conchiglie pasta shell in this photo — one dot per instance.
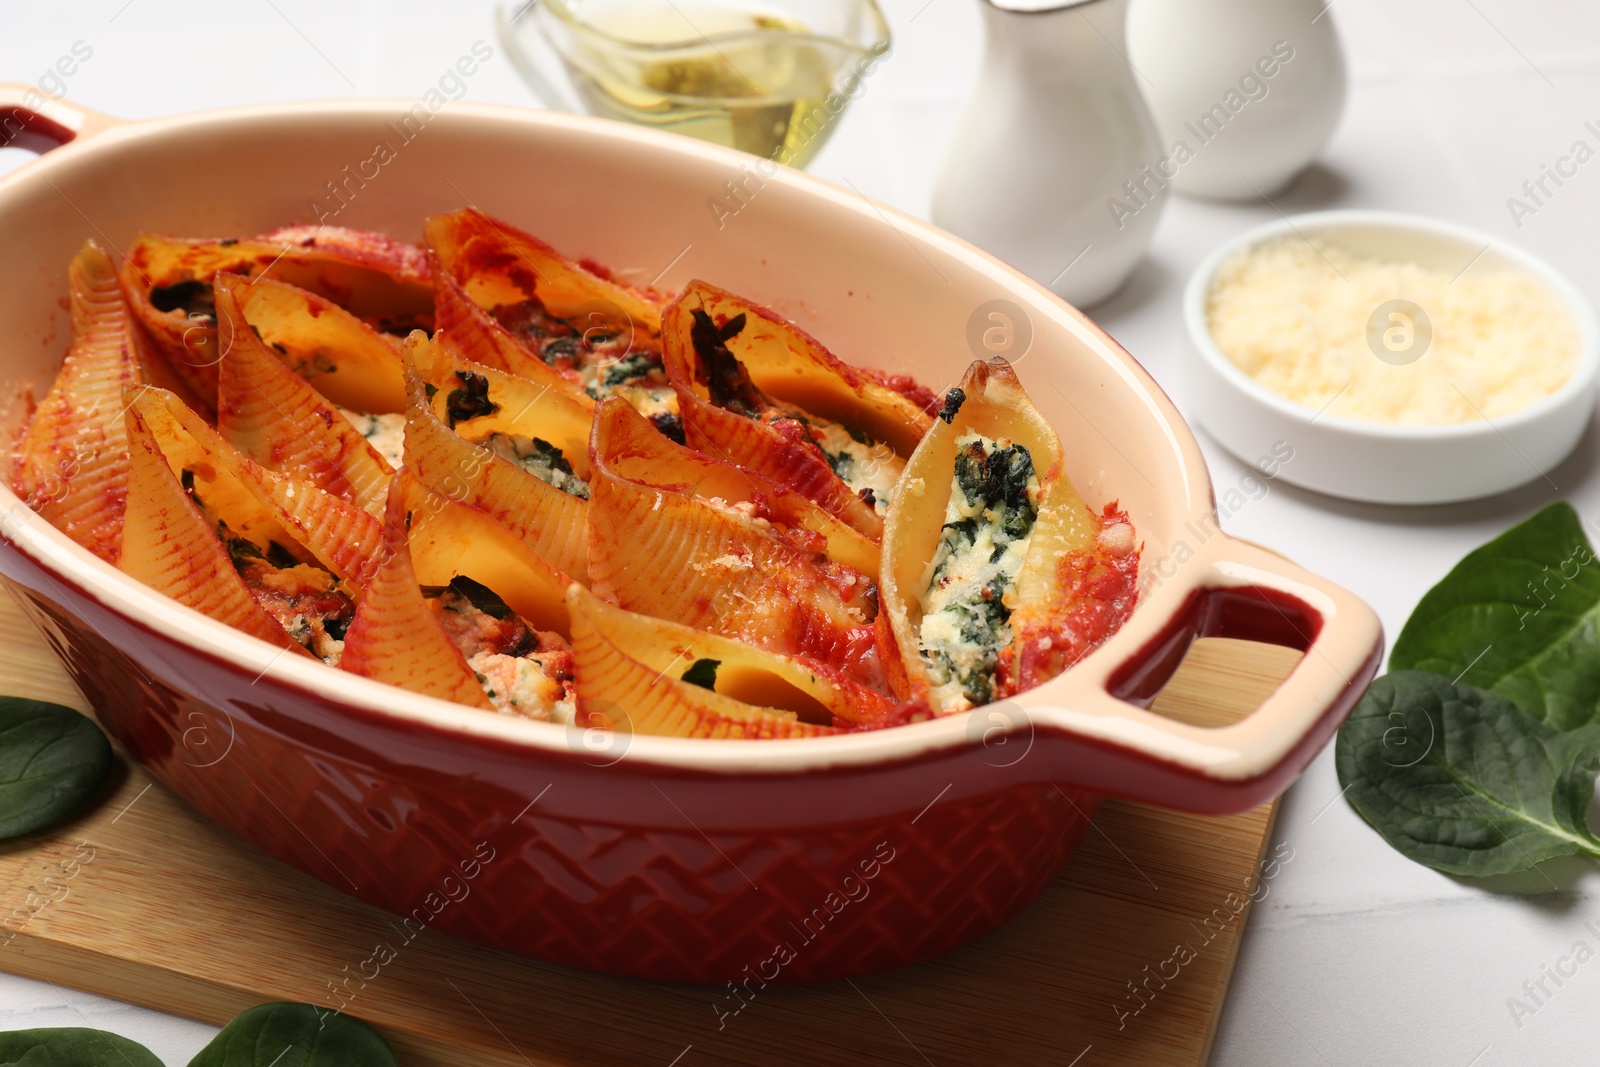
[472, 333]
[214, 466]
[620, 688]
[786, 362]
[550, 522]
[395, 637]
[341, 357]
[996, 407]
[344, 538]
[73, 467]
[792, 685]
[806, 375]
[169, 545]
[374, 277]
[787, 459]
[675, 556]
[497, 264]
[272, 415]
[449, 539]
[258, 504]
[642, 455]
[525, 407]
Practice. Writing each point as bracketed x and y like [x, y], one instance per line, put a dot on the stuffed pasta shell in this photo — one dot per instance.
[227, 537]
[646, 675]
[510, 301]
[168, 282]
[766, 395]
[669, 544]
[993, 564]
[460, 641]
[72, 461]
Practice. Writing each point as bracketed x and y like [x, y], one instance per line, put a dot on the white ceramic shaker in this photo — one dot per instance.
[1052, 164]
[1244, 92]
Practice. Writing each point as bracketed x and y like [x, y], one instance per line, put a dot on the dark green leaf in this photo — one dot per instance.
[470, 401]
[1519, 616]
[481, 597]
[295, 1035]
[703, 672]
[1461, 780]
[51, 760]
[72, 1046]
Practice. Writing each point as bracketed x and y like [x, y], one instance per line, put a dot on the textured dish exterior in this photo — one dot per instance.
[627, 886]
[679, 860]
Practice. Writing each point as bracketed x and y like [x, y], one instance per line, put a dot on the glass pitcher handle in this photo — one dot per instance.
[534, 57]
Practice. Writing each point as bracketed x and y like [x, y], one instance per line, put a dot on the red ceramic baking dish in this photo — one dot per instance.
[666, 858]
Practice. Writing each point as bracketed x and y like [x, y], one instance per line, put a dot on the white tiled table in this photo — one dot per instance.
[1357, 956]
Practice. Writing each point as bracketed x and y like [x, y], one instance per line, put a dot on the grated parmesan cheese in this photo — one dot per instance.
[1293, 314]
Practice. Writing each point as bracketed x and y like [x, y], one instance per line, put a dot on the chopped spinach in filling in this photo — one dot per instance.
[966, 621]
[869, 467]
[191, 296]
[592, 345]
[539, 458]
[725, 378]
[703, 672]
[306, 600]
[670, 425]
[471, 401]
[630, 368]
[952, 404]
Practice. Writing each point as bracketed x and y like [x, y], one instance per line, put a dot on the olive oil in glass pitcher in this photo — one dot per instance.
[768, 79]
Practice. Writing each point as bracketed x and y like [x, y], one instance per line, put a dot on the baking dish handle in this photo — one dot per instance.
[1112, 743]
[30, 119]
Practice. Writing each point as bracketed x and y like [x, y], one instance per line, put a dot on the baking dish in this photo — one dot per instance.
[665, 858]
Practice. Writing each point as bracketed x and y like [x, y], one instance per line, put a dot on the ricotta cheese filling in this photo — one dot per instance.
[594, 347]
[523, 671]
[650, 399]
[305, 600]
[308, 602]
[385, 433]
[539, 458]
[988, 523]
[869, 467]
[522, 685]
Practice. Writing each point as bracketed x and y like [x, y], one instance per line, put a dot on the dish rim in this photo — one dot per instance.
[1580, 308]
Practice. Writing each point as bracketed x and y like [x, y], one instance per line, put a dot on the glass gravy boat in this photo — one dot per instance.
[770, 78]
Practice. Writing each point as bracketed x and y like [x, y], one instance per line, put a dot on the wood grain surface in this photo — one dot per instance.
[1125, 959]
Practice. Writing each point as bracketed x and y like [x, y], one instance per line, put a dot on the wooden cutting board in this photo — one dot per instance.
[1124, 960]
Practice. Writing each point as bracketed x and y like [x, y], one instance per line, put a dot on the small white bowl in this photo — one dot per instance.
[1381, 462]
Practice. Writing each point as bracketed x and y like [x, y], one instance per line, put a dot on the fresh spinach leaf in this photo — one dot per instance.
[51, 760]
[1519, 616]
[1460, 779]
[295, 1035]
[703, 672]
[72, 1046]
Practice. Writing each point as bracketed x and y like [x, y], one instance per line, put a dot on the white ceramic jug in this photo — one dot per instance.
[1052, 165]
[1250, 89]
